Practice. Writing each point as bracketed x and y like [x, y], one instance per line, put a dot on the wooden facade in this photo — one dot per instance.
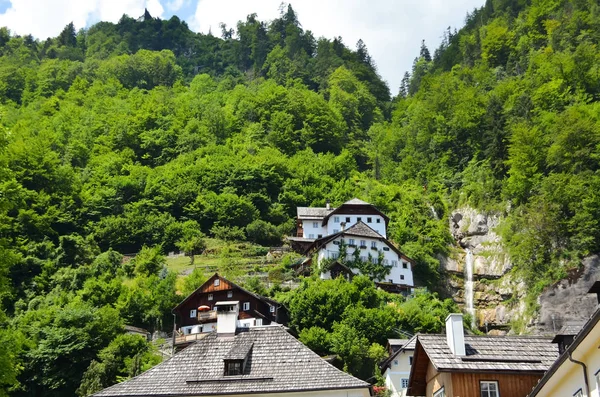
[208, 294]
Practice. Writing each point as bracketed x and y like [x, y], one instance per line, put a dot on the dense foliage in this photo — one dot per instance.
[143, 136]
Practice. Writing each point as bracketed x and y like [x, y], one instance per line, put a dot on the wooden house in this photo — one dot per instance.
[196, 315]
[462, 365]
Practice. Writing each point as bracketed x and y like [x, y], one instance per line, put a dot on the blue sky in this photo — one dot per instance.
[391, 29]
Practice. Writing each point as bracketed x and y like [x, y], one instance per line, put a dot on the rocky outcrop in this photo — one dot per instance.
[498, 293]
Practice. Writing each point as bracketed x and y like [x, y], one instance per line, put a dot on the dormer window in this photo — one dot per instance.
[233, 367]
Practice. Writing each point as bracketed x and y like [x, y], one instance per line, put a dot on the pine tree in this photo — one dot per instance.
[425, 52]
[68, 36]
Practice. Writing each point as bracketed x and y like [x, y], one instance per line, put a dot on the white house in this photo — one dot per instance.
[396, 369]
[317, 222]
[232, 361]
[362, 242]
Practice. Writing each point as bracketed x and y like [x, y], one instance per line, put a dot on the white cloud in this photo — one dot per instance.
[47, 18]
[391, 29]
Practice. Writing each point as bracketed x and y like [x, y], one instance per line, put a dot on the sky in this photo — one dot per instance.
[391, 29]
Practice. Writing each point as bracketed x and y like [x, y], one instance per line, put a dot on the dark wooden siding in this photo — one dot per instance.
[510, 385]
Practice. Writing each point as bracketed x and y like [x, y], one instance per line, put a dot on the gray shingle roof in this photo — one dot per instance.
[361, 229]
[492, 353]
[313, 212]
[397, 342]
[277, 362]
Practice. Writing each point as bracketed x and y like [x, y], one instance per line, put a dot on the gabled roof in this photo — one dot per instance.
[211, 280]
[313, 212]
[276, 362]
[407, 345]
[353, 205]
[493, 354]
[359, 229]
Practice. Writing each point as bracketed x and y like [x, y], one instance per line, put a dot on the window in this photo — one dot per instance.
[386, 262]
[404, 265]
[336, 243]
[192, 313]
[386, 248]
[369, 220]
[315, 225]
[319, 235]
[335, 230]
[336, 219]
[440, 393]
[210, 297]
[378, 220]
[311, 235]
[347, 219]
[404, 383]
[363, 258]
[363, 244]
[246, 306]
[410, 360]
[578, 393]
[395, 263]
[358, 219]
[489, 388]
[258, 322]
[395, 362]
[374, 260]
[272, 308]
[374, 244]
[217, 282]
[402, 277]
[230, 294]
[391, 281]
[351, 242]
[233, 367]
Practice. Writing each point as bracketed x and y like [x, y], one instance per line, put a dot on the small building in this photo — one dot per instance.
[234, 361]
[130, 329]
[462, 365]
[196, 315]
[577, 370]
[315, 222]
[396, 368]
[361, 243]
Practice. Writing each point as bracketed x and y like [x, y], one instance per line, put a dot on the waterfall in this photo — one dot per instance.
[469, 286]
[435, 215]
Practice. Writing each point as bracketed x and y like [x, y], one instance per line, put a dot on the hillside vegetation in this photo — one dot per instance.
[143, 136]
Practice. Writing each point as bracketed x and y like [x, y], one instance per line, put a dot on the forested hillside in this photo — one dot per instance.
[145, 134]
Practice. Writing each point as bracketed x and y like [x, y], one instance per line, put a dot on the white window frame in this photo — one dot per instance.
[404, 383]
[259, 322]
[246, 306]
[441, 392]
[217, 282]
[271, 308]
[230, 294]
[363, 243]
[210, 297]
[193, 313]
[373, 244]
[351, 242]
[315, 225]
[394, 263]
[336, 219]
[488, 392]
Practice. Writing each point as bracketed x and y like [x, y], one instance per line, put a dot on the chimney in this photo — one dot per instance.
[455, 334]
[327, 206]
[227, 317]
[343, 225]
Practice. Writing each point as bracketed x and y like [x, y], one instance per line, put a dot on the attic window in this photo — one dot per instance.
[233, 367]
[369, 220]
[217, 282]
[347, 219]
[404, 265]
[378, 220]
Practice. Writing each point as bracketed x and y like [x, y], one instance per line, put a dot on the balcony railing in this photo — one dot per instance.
[179, 339]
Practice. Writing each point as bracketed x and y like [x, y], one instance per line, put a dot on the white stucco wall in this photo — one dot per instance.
[310, 231]
[377, 222]
[399, 369]
[568, 379]
[399, 274]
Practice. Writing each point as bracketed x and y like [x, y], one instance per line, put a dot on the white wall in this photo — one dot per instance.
[398, 371]
[331, 250]
[308, 228]
[334, 222]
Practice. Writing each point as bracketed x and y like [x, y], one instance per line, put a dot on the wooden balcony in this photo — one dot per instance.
[205, 317]
[186, 339]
